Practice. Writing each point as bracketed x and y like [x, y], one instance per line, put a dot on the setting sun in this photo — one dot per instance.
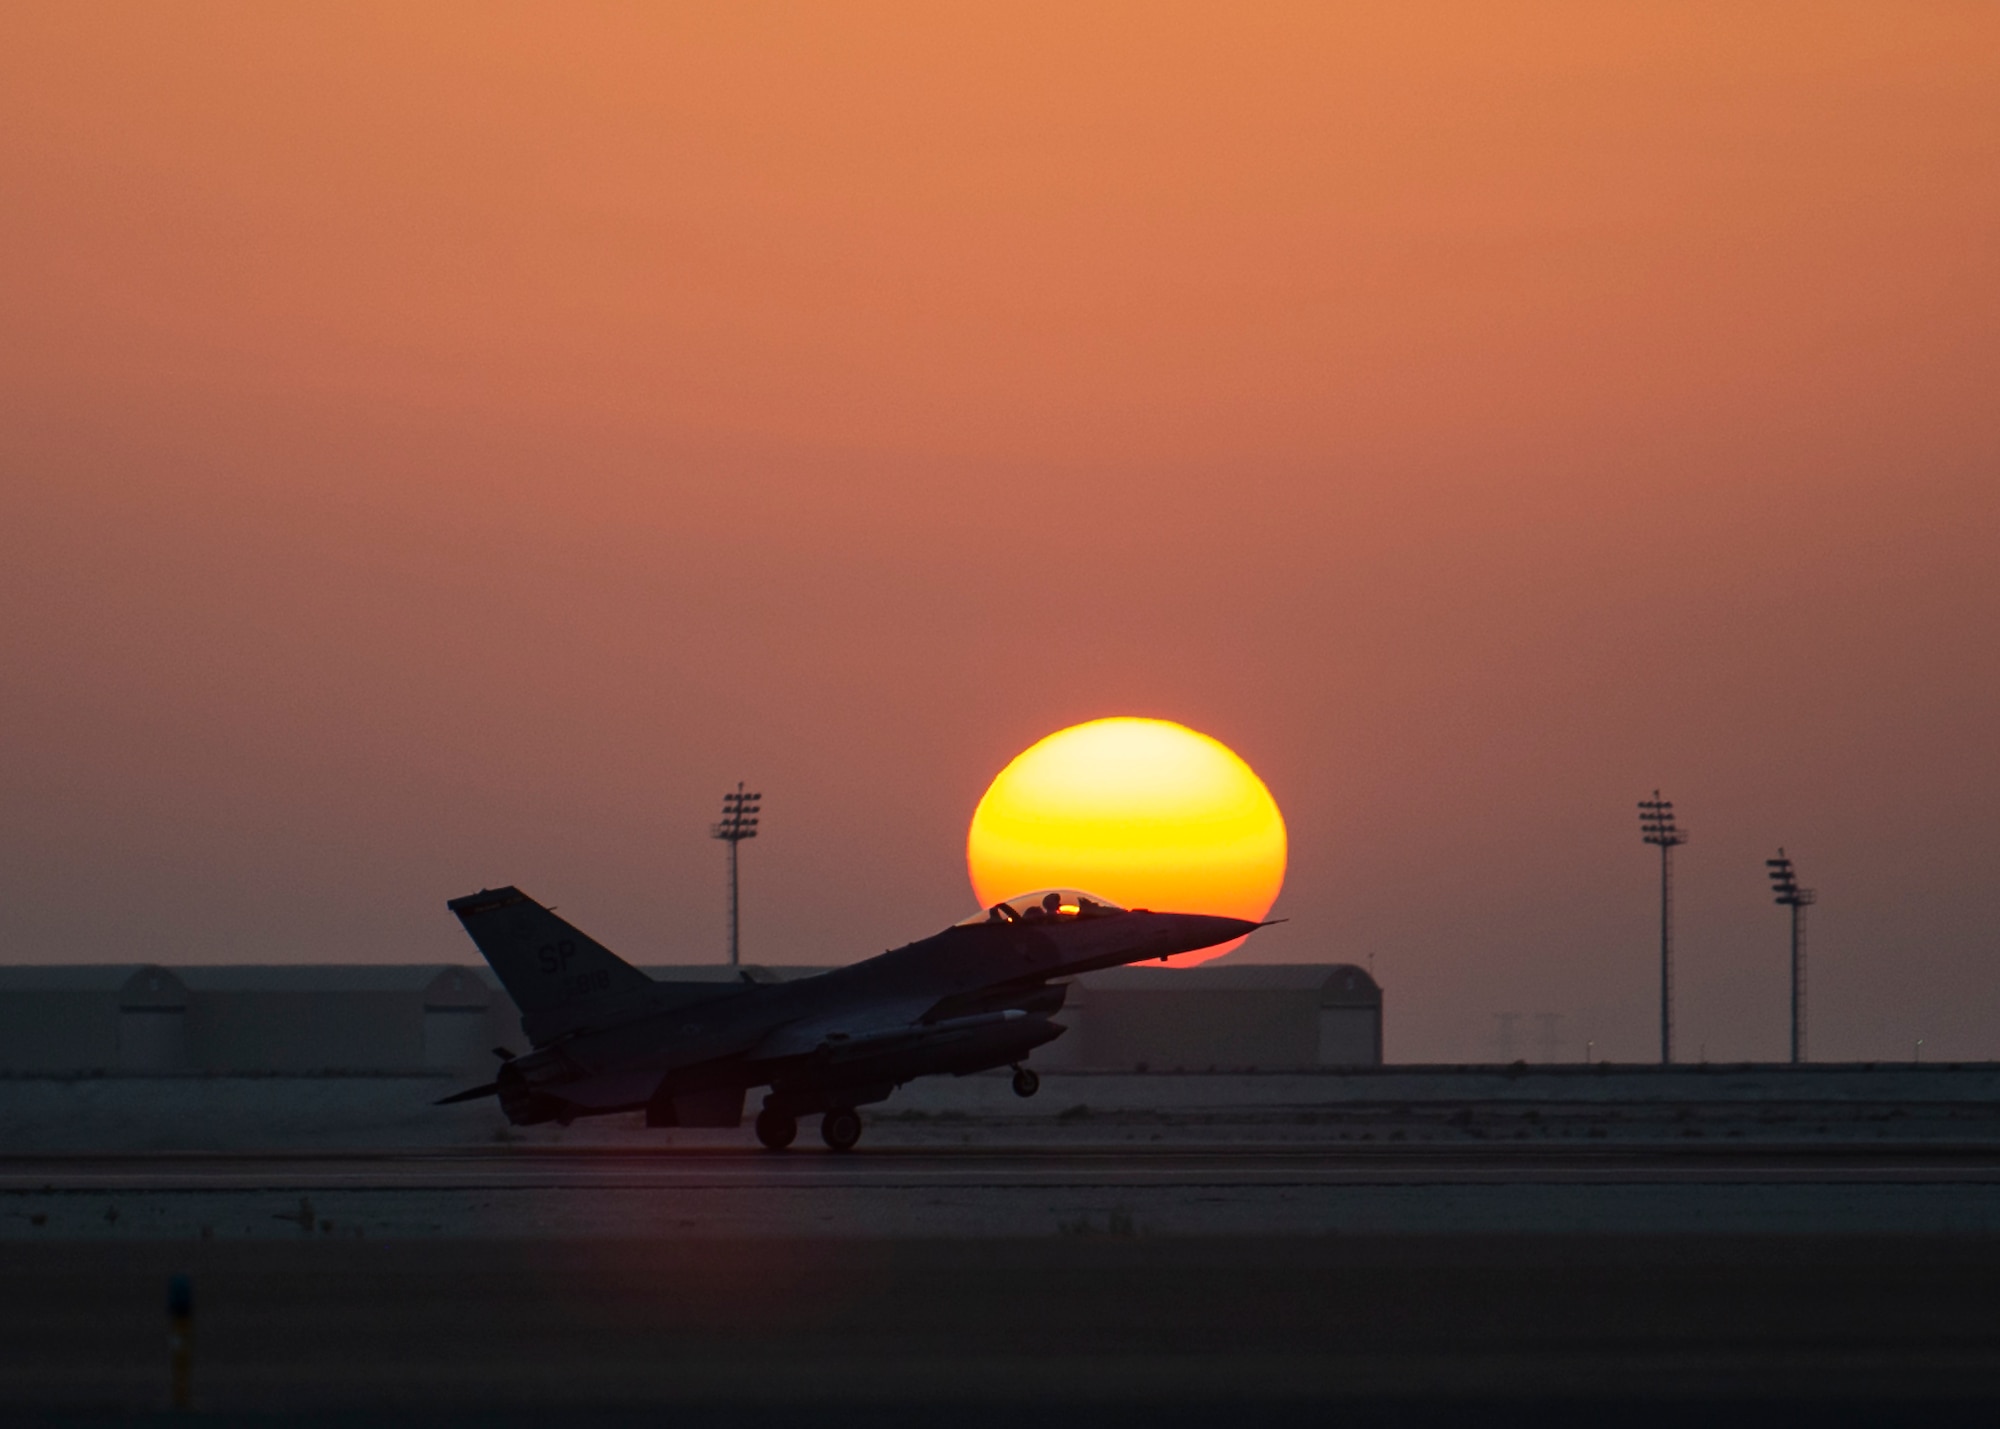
[1145, 812]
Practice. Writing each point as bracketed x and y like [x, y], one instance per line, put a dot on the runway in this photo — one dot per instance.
[1250, 1330]
[571, 1192]
[1070, 1284]
[897, 1168]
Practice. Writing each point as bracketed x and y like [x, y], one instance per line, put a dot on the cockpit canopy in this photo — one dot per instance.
[1045, 905]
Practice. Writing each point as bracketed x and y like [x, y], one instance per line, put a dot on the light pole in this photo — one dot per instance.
[1656, 826]
[1787, 894]
[739, 822]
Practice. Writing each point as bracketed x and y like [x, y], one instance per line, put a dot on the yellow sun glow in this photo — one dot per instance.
[1145, 812]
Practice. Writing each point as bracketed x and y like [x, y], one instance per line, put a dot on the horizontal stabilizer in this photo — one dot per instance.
[472, 1094]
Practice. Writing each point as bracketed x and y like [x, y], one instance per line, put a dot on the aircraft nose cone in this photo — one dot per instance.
[1189, 932]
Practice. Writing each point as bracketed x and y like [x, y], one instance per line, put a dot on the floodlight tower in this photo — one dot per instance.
[1786, 893]
[1656, 826]
[739, 822]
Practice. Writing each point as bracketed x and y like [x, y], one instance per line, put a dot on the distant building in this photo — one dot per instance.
[282, 1018]
[404, 1018]
[1229, 1016]
[1234, 1017]
[96, 1017]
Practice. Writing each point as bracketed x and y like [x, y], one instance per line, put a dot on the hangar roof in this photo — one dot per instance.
[441, 985]
[137, 985]
[455, 984]
[67, 977]
[1336, 983]
[315, 977]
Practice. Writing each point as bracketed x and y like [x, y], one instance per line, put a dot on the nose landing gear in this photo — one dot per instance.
[776, 1128]
[1026, 1082]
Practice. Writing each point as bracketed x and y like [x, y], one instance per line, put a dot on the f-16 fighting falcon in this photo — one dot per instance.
[981, 994]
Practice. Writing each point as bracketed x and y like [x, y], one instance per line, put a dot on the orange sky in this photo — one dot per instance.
[450, 446]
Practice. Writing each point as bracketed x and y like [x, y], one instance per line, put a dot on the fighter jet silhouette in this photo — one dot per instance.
[981, 994]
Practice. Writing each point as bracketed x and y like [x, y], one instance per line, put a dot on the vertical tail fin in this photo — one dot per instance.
[544, 963]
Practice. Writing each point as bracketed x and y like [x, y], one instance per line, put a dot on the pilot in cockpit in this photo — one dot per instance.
[1051, 907]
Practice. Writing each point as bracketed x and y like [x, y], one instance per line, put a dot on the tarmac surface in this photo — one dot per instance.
[1052, 1330]
[1465, 1107]
[1164, 1251]
[724, 1191]
[693, 1168]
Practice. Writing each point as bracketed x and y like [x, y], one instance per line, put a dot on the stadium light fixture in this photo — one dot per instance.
[1657, 827]
[1786, 893]
[738, 822]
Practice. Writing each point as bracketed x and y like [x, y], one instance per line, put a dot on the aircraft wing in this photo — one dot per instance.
[854, 1027]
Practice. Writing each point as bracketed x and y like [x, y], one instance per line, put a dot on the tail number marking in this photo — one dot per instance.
[554, 959]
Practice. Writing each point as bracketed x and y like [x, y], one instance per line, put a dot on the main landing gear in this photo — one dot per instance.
[840, 1128]
[776, 1129]
[1026, 1082]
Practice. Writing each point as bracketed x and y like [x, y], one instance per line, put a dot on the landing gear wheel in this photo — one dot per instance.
[840, 1128]
[776, 1129]
[1026, 1082]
